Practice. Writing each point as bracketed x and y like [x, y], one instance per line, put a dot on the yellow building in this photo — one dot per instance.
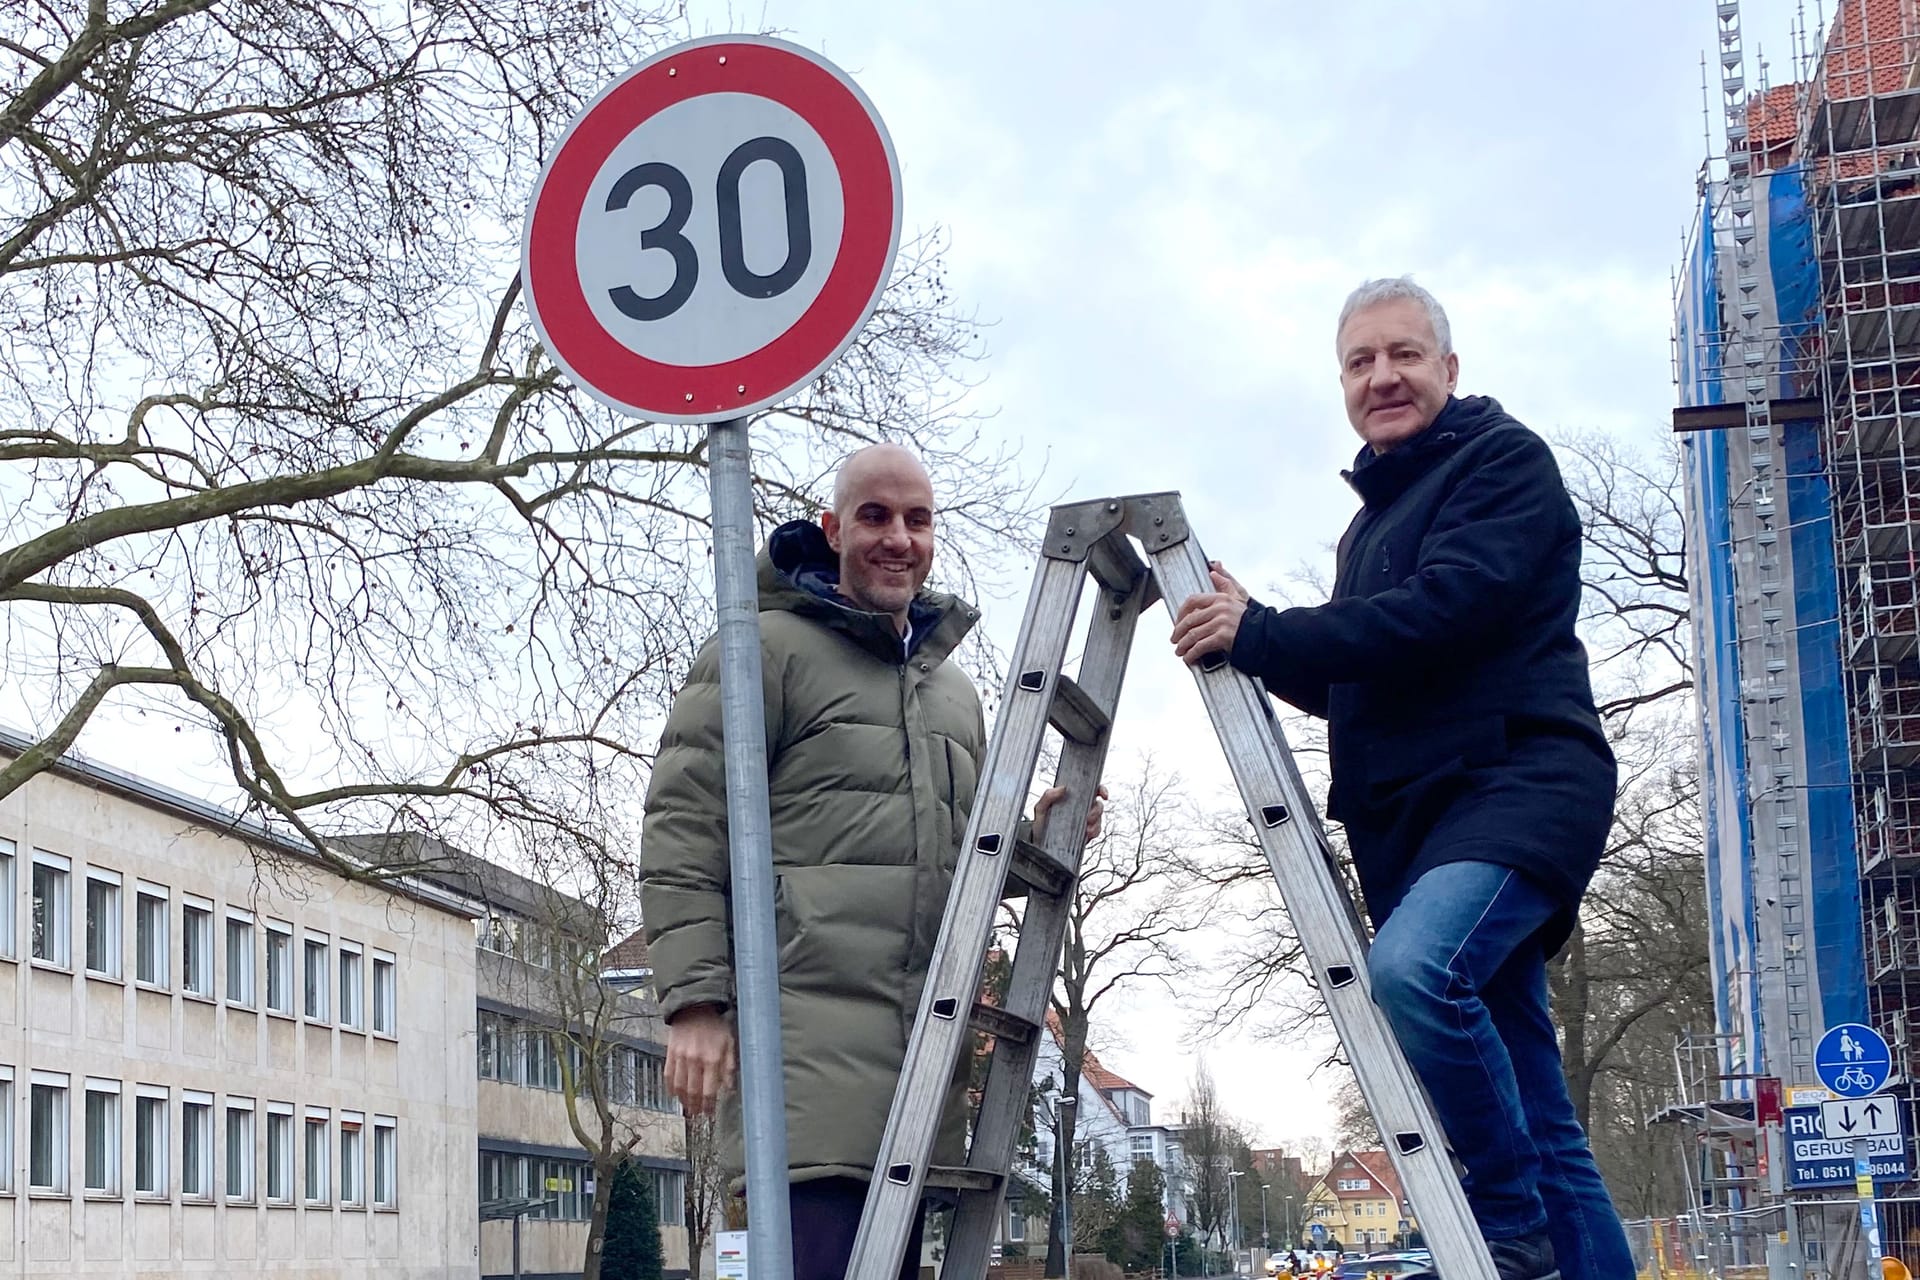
[1359, 1202]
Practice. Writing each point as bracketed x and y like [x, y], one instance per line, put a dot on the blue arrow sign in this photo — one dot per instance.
[1852, 1060]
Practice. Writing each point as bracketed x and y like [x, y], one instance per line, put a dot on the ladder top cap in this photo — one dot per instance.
[1157, 519]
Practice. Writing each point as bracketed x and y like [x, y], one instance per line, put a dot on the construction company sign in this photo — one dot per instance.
[1820, 1148]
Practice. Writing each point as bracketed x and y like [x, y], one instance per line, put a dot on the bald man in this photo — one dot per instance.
[874, 743]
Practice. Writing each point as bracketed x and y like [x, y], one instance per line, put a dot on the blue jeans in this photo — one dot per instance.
[1459, 970]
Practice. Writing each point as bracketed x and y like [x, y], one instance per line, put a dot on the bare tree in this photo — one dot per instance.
[1131, 907]
[1354, 1128]
[1209, 1141]
[706, 1184]
[284, 462]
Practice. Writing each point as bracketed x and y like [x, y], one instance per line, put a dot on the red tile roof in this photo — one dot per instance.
[1773, 117]
[1096, 1075]
[1869, 47]
[628, 953]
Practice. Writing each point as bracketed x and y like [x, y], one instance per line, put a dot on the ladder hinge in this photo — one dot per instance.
[1157, 519]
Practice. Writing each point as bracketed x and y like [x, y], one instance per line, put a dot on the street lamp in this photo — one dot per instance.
[1234, 1207]
[1265, 1245]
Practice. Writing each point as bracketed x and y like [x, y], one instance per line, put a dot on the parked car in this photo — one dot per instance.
[1385, 1266]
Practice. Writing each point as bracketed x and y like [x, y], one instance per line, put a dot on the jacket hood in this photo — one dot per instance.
[1379, 478]
[800, 573]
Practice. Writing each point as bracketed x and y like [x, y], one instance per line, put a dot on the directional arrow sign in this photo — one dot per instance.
[1871, 1117]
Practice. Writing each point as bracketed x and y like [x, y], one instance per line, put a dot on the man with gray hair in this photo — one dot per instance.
[1469, 765]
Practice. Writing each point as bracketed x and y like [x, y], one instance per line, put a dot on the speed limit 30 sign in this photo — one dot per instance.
[713, 230]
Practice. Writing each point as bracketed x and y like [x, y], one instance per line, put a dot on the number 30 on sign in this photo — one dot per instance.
[712, 230]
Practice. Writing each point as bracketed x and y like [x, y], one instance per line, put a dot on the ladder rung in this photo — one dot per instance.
[1002, 1023]
[1115, 564]
[1077, 717]
[961, 1178]
[1039, 870]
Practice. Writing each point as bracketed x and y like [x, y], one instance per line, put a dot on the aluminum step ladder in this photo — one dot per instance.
[1098, 538]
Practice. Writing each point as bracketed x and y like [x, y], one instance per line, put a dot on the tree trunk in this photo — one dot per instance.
[1576, 992]
[597, 1221]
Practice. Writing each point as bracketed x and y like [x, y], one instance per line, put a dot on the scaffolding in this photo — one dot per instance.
[1860, 147]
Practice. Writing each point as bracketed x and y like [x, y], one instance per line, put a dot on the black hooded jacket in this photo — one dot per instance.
[1460, 714]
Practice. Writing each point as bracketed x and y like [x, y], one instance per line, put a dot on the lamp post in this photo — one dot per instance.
[1233, 1206]
[1265, 1244]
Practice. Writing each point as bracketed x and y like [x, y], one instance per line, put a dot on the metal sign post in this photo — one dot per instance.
[710, 234]
[743, 728]
[1869, 1211]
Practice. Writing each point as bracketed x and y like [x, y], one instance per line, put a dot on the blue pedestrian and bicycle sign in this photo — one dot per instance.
[1852, 1060]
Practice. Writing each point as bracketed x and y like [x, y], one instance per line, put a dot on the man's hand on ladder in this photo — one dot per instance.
[1209, 623]
[1054, 795]
[701, 1058]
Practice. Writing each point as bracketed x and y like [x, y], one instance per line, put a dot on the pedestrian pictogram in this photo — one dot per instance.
[712, 231]
[1852, 1060]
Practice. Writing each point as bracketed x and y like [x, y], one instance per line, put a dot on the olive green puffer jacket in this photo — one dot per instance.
[872, 758]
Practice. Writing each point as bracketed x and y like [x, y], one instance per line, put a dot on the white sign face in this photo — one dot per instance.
[730, 1255]
[710, 230]
[1845, 1119]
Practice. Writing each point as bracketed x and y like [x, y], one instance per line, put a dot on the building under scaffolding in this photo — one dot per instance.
[1797, 357]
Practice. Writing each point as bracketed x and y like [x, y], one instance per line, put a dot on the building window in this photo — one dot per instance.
[386, 1163]
[487, 1044]
[47, 1154]
[350, 986]
[1017, 1222]
[316, 1151]
[150, 1141]
[353, 1161]
[150, 935]
[52, 910]
[240, 1149]
[385, 1008]
[103, 1137]
[280, 969]
[670, 1194]
[196, 947]
[6, 1130]
[239, 959]
[280, 1153]
[651, 1072]
[103, 923]
[316, 979]
[196, 1145]
[6, 896]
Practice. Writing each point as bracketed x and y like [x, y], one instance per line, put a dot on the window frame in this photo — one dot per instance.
[113, 1159]
[322, 1119]
[59, 915]
[315, 1009]
[196, 919]
[246, 1150]
[154, 1100]
[60, 1157]
[350, 955]
[161, 949]
[249, 963]
[196, 1118]
[281, 931]
[113, 935]
[281, 1115]
[384, 1010]
[6, 1130]
[9, 869]
[353, 1159]
[386, 1164]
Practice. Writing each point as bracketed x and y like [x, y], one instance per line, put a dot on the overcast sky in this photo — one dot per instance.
[1160, 209]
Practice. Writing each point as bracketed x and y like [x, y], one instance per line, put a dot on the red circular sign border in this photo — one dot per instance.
[854, 136]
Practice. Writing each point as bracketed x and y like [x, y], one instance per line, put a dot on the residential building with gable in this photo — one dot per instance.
[1360, 1203]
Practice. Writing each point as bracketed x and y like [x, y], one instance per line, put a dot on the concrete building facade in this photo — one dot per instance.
[217, 1057]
